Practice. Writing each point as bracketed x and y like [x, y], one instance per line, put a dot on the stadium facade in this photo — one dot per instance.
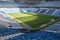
[2, 14]
[51, 8]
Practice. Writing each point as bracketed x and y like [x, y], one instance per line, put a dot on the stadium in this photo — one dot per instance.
[30, 20]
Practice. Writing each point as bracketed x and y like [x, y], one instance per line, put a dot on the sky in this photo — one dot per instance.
[10, 10]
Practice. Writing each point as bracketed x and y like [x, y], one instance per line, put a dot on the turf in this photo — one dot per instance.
[33, 20]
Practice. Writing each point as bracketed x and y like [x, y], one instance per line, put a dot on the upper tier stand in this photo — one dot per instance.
[41, 4]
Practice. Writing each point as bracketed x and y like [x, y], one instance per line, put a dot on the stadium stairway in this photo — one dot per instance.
[15, 34]
[56, 13]
[50, 11]
[8, 31]
[55, 27]
[43, 11]
[47, 11]
[10, 36]
[41, 35]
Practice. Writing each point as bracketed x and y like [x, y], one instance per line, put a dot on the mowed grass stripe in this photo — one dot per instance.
[33, 20]
[38, 22]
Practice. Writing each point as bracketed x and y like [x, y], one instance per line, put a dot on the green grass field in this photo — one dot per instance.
[33, 20]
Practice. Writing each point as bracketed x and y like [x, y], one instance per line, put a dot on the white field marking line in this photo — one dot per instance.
[14, 20]
[7, 21]
[11, 36]
[10, 16]
[27, 26]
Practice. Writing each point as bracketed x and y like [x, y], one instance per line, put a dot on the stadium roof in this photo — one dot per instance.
[7, 0]
[41, 4]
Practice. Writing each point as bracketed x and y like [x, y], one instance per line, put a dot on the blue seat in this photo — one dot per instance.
[54, 27]
[8, 31]
[42, 35]
[43, 11]
[57, 13]
[50, 11]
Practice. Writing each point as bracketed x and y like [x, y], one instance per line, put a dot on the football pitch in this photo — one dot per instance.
[33, 20]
